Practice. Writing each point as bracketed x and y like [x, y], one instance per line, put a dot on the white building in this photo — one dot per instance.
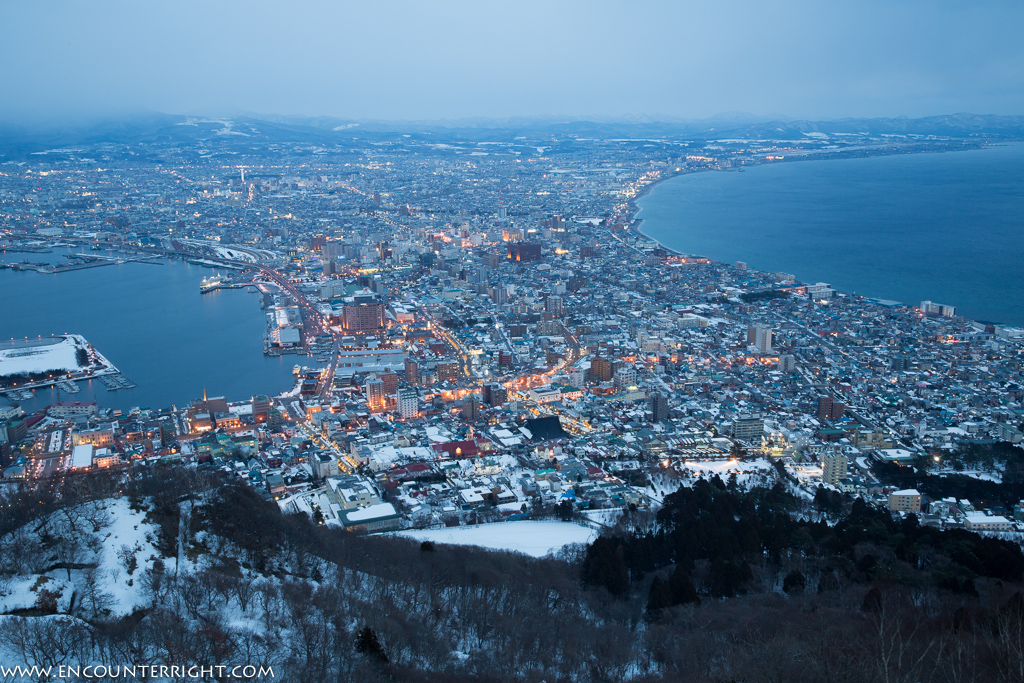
[408, 403]
[81, 457]
[977, 521]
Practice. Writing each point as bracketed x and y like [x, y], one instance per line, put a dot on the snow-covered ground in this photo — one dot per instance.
[530, 538]
[123, 533]
[43, 357]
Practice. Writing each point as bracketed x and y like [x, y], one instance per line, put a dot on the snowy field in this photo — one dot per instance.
[47, 354]
[530, 538]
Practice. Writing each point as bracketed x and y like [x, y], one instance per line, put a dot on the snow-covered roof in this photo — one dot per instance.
[371, 512]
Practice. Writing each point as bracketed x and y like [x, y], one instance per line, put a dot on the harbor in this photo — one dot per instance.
[79, 262]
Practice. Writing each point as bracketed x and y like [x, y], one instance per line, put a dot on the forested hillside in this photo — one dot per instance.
[719, 585]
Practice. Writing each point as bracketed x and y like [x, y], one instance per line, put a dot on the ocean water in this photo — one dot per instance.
[151, 322]
[948, 227]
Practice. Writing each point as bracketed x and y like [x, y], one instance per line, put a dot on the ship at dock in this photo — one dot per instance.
[211, 283]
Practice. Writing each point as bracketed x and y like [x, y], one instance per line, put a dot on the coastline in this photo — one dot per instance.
[633, 224]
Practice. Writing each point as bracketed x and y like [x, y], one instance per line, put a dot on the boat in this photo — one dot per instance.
[211, 283]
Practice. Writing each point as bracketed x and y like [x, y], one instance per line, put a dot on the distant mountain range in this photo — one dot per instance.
[154, 128]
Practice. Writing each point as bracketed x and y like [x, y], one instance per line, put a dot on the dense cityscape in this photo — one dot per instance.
[480, 331]
[488, 353]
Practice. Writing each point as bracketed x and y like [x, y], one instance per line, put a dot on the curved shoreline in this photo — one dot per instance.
[635, 224]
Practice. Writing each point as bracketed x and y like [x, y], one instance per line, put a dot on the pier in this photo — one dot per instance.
[117, 381]
[85, 261]
[216, 282]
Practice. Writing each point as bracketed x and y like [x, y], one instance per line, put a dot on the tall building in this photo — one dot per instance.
[625, 377]
[748, 427]
[829, 408]
[833, 468]
[824, 406]
[761, 337]
[260, 408]
[412, 371]
[498, 294]
[523, 252]
[471, 408]
[787, 363]
[659, 407]
[601, 369]
[376, 398]
[553, 305]
[495, 394]
[390, 380]
[447, 371]
[932, 308]
[363, 314]
[408, 402]
[333, 250]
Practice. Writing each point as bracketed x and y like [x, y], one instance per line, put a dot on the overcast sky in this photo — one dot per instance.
[448, 59]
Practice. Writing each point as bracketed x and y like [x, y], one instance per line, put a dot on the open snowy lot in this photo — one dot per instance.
[42, 355]
[530, 538]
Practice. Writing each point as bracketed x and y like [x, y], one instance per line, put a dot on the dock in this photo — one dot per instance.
[85, 262]
[69, 387]
[115, 382]
[214, 283]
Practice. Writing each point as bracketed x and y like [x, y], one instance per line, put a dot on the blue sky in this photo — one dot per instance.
[451, 59]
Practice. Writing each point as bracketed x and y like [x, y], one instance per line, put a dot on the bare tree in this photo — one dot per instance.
[94, 598]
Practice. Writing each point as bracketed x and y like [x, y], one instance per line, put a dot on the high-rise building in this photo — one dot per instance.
[471, 408]
[390, 380]
[376, 398]
[523, 252]
[833, 468]
[553, 305]
[363, 314]
[829, 408]
[333, 250]
[260, 408]
[601, 369]
[787, 363]
[408, 403]
[761, 337]
[748, 427]
[932, 308]
[447, 371]
[824, 406]
[412, 371]
[659, 407]
[495, 394]
[625, 377]
[498, 294]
